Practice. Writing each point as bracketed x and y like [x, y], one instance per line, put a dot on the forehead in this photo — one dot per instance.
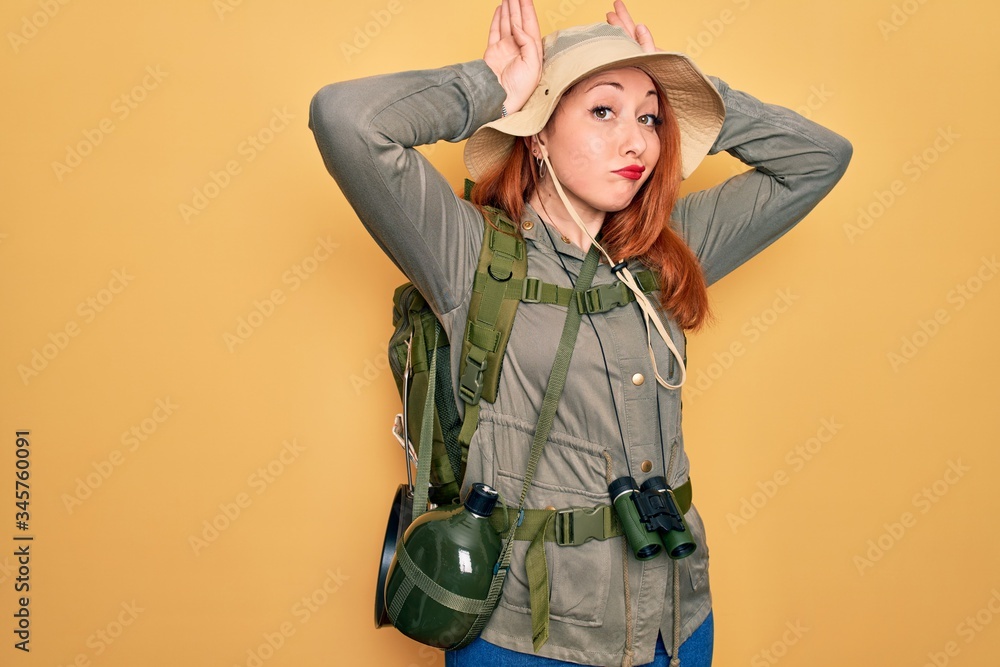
[631, 79]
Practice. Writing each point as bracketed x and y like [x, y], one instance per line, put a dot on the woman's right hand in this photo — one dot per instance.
[639, 32]
[514, 51]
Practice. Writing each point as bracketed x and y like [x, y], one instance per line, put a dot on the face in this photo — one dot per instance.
[603, 140]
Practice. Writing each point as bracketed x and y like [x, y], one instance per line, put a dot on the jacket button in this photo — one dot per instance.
[551, 508]
[565, 239]
[638, 379]
[646, 466]
[527, 225]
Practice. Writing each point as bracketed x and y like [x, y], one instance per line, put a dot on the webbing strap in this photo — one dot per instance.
[573, 526]
[598, 299]
[433, 590]
[537, 567]
[426, 435]
[469, 426]
[553, 392]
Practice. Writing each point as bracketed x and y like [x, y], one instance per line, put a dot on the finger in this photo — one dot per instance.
[645, 38]
[530, 51]
[515, 14]
[529, 21]
[494, 36]
[504, 19]
[622, 11]
[615, 20]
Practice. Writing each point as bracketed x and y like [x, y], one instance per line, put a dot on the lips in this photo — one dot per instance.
[633, 172]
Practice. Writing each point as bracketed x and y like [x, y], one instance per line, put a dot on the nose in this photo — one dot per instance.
[633, 139]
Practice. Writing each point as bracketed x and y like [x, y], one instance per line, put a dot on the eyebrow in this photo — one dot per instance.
[615, 84]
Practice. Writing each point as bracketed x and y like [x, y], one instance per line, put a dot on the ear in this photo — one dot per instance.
[533, 142]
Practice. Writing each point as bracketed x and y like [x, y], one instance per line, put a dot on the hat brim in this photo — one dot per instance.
[695, 101]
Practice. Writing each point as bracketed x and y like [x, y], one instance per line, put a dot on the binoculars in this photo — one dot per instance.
[650, 518]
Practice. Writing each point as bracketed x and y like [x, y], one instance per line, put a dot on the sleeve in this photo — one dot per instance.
[366, 130]
[795, 164]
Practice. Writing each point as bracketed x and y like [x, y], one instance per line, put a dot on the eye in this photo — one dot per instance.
[601, 112]
[651, 120]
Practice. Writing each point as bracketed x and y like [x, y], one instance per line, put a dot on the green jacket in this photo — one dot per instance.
[366, 129]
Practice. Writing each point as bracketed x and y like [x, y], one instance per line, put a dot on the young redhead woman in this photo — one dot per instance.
[580, 139]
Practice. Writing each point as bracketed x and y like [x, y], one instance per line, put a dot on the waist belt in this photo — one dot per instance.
[573, 526]
[566, 527]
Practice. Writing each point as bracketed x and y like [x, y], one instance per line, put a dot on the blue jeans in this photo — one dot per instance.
[696, 651]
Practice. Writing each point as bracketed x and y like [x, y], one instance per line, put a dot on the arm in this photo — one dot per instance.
[366, 130]
[796, 163]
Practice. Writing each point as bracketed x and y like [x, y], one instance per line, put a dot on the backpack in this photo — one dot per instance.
[419, 341]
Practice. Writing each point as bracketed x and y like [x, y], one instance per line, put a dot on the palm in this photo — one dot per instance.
[514, 50]
[518, 72]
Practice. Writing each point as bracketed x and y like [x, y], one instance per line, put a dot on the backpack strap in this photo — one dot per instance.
[597, 299]
[535, 558]
[502, 259]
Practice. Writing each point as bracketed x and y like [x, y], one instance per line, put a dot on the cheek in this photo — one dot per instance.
[585, 152]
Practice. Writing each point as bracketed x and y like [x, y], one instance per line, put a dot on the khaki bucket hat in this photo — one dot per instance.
[574, 53]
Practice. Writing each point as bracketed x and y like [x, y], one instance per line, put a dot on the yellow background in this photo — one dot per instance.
[115, 576]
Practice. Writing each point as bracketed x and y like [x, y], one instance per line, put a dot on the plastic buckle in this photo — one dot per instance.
[531, 290]
[471, 385]
[603, 298]
[577, 525]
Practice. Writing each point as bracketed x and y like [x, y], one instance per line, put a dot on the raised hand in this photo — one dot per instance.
[640, 33]
[514, 50]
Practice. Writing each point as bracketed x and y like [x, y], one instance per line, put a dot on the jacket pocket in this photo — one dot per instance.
[579, 576]
[571, 473]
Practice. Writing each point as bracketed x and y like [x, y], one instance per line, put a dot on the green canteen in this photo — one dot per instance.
[456, 549]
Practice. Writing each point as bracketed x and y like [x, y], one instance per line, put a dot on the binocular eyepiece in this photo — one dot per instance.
[651, 518]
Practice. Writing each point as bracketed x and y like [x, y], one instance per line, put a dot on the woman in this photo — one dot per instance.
[587, 134]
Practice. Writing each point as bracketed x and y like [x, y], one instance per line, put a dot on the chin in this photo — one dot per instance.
[616, 205]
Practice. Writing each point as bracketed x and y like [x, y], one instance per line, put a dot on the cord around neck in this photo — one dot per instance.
[649, 312]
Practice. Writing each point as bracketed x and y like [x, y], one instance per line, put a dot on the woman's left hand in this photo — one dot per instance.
[514, 51]
[640, 33]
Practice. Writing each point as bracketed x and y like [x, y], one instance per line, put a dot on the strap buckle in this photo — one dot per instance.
[531, 290]
[576, 525]
[603, 297]
[471, 385]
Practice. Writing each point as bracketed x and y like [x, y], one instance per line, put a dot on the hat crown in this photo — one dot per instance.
[575, 51]
[557, 43]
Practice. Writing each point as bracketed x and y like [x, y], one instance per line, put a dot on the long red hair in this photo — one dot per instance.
[641, 230]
